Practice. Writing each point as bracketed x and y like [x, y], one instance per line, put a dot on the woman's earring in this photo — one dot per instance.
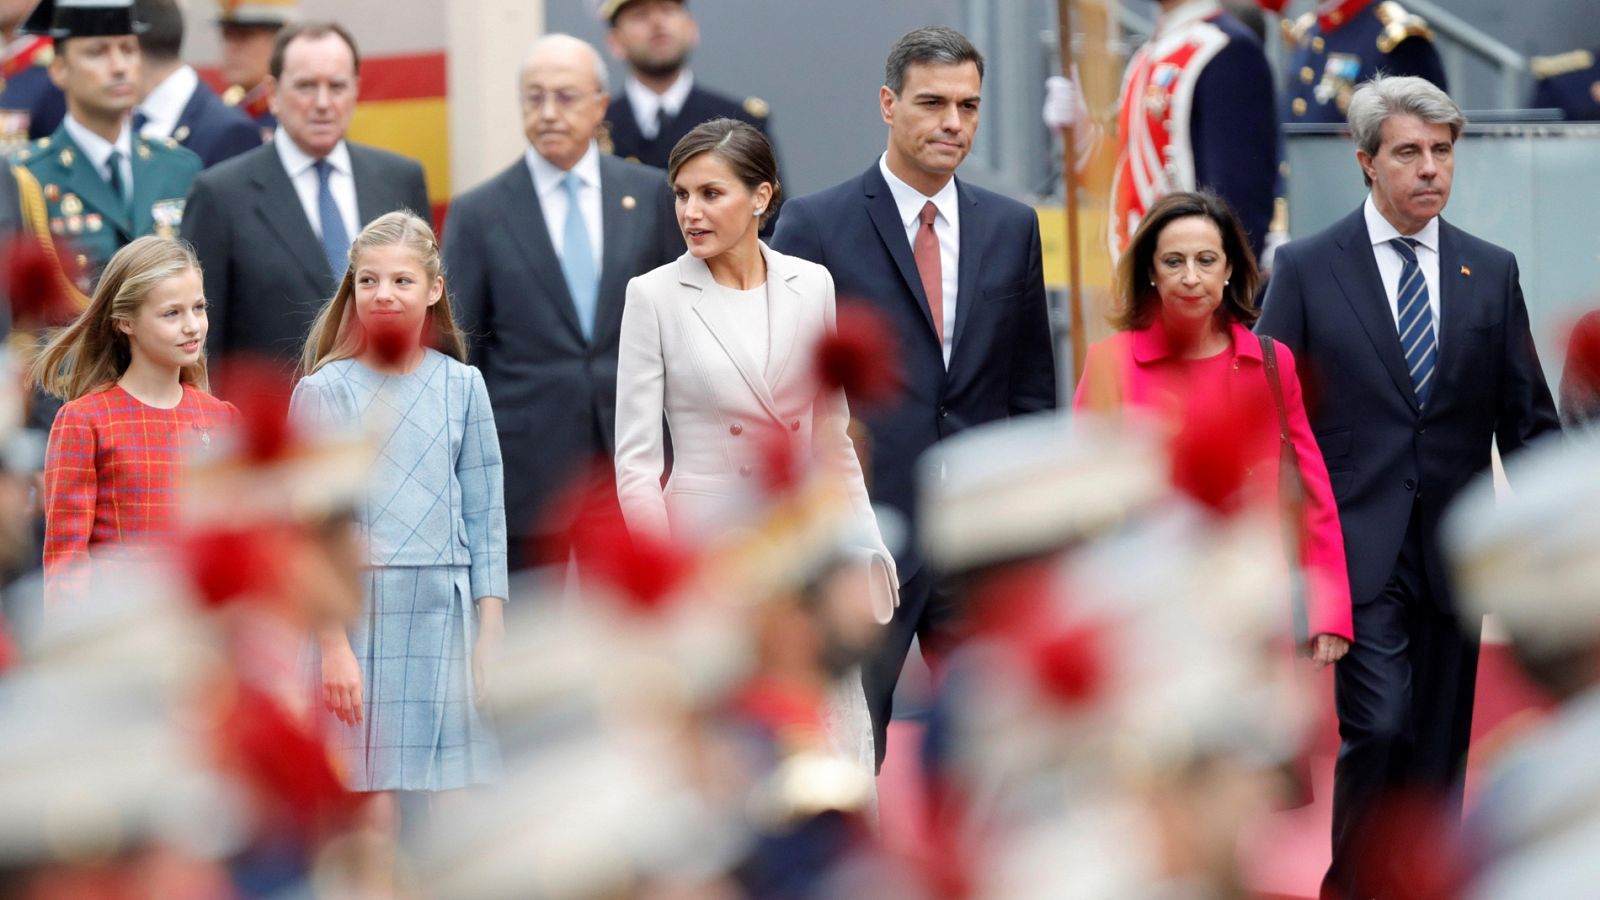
[758, 213]
[1224, 282]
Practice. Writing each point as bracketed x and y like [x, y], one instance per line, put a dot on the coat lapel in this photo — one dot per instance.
[1455, 298]
[783, 314]
[1357, 274]
[886, 216]
[278, 206]
[524, 219]
[972, 240]
[620, 213]
[693, 273]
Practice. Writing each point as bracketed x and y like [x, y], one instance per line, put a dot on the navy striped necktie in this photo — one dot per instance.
[1417, 335]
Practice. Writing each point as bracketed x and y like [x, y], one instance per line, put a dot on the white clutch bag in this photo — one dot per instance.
[883, 584]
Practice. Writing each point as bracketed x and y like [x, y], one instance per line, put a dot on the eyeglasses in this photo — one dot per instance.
[563, 99]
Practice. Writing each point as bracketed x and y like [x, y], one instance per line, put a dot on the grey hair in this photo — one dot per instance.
[602, 75]
[932, 45]
[1399, 95]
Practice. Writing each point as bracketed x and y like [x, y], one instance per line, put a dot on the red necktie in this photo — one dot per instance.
[925, 249]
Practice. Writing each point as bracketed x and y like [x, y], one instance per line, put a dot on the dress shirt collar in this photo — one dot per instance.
[297, 161]
[1184, 15]
[164, 104]
[95, 147]
[645, 102]
[547, 177]
[1381, 231]
[909, 200]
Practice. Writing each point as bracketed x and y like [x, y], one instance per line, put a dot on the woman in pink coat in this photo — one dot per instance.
[1186, 283]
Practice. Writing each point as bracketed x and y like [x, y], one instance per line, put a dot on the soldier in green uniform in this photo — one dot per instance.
[93, 186]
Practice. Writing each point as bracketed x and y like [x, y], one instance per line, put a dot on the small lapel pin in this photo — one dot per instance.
[628, 202]
[1466, 271]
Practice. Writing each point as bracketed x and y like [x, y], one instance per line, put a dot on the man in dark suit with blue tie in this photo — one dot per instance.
[273, 226]
[956, 271]
[1416, 356]
[538, 259]
[177, 104]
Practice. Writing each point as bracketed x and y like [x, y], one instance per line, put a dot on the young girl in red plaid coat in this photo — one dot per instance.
[132, 370]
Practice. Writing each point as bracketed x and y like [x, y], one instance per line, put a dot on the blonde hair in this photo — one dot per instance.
[337, 334]
[91, 353]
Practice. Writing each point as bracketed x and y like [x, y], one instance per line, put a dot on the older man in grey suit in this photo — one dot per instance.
[537, 259]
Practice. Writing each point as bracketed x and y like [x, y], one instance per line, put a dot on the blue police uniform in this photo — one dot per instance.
[1569, 82]
[212, 130]
[629, 142]
[1344, 44]
[31, 106]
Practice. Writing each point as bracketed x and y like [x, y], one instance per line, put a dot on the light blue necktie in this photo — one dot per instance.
[1417, 335]
[335, 242]
[577, 258]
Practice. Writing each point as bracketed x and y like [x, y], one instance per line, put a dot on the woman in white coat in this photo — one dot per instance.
[719, 343]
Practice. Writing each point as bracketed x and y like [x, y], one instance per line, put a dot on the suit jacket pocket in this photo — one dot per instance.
[1340, 480]
[1334, 442]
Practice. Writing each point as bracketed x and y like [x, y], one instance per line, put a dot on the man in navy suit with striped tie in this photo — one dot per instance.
[1415, 355]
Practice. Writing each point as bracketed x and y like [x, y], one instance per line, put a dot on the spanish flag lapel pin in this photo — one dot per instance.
[1466, 271]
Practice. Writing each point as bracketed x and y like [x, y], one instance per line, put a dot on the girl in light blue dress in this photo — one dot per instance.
[402, 685]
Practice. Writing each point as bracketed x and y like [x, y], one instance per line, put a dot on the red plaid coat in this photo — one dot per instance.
[111, 469]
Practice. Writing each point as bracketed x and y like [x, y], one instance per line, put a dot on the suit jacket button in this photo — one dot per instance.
[795, 425]
[746, 471]
[736, 429]
[1411, 484]
[944, 413]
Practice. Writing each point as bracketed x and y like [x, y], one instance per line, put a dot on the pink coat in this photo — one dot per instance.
[1132, 368]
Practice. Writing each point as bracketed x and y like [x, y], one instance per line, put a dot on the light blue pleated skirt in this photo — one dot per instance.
[421, 729]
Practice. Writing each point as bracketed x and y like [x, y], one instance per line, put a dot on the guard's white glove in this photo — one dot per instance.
[1064, 106]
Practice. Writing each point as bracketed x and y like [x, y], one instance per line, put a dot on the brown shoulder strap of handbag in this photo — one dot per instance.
[1291, 492]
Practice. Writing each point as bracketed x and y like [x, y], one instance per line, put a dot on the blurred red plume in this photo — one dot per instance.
[1273, 6]
[287, 765]
[36, 283]
[227, 564]
[393, 345]
[643, 568]
[261, 391]
[860, 357]
[1211, 454]
[1022, 606]
[1583, 354]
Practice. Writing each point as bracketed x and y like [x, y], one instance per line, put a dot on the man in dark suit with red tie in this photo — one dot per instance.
[956, 271]
[1415, 353]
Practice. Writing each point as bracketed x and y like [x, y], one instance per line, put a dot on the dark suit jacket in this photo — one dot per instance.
[1002, 363]
[554, 394]
[265, 273]
[1327, 304]
[213, 130]
[628, 142]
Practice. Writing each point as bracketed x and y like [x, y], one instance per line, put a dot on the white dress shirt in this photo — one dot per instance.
[547, 180]
[303, 173]
[946, 227]
[747, 312]
[98, 149]
[1390, 261]
[649, 105]
[163, 106]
